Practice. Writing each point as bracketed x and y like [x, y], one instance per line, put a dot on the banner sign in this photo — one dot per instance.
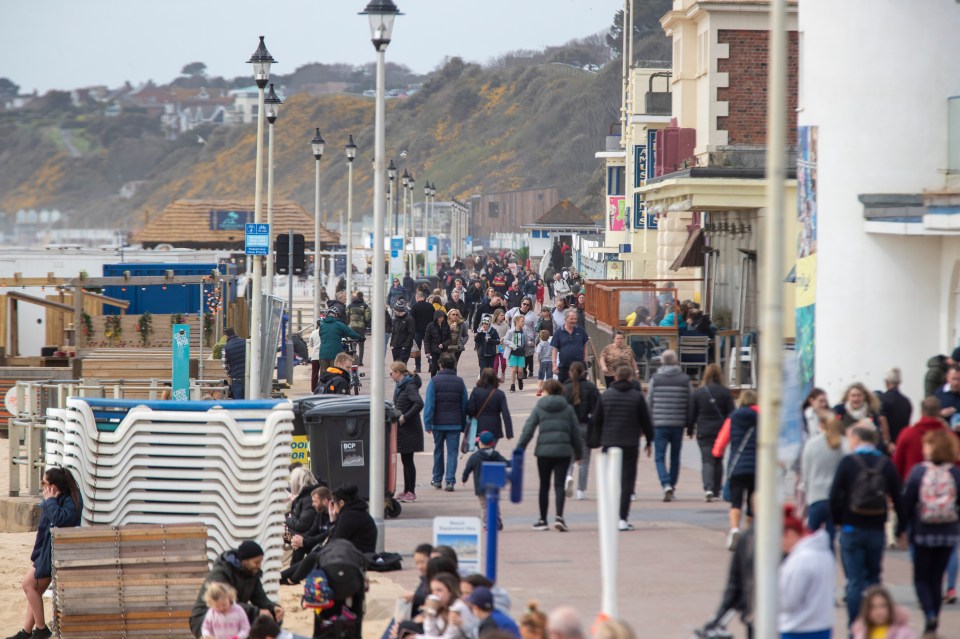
[181, 362]
[229, 220]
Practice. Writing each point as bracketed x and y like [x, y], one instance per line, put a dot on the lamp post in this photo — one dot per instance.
[351, 150]
[407, 192]
[426, 211]
[381, 14]
[405, 182]
[261, 61]
[273, 110]
[391, 191]
[316, 145]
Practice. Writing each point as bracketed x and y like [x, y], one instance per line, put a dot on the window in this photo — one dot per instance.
[702, 54]
[615, 180]
[493, 209]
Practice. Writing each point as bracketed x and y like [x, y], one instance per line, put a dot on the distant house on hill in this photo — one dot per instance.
[496, 219]
[563, 222]
[219, 224]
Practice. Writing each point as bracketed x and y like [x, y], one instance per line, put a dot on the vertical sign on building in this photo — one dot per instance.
[639, 179]
[806, 271]
[181, 362]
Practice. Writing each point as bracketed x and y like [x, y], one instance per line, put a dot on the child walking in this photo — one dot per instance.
[226, 619]
[515, 345]
[544, 355]
[484, 453]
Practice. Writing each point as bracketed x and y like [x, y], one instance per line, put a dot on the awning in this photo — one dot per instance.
[691, 255]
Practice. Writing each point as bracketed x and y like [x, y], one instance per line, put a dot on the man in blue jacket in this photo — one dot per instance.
[445, 415]
[235, 362]
[491, 619]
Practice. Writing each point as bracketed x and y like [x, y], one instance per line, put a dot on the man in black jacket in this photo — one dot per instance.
[621, 418]
[320, 496]
[240, 569]
[235, 363]
[402, 333]
[422, 312]
[335, 380]
[436, 338]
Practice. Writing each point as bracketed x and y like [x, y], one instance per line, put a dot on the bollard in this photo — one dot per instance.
[610, 464]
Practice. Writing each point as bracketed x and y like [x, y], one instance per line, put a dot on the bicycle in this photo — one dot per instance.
[350, 347]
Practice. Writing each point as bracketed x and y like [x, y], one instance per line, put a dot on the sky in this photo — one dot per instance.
[65, 44]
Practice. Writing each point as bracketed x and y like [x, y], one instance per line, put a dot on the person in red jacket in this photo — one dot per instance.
[909, 450]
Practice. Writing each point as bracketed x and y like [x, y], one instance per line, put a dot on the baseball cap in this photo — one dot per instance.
[486, 438]
[481, 597]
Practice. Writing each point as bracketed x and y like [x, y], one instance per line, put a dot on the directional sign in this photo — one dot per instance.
[257, 239]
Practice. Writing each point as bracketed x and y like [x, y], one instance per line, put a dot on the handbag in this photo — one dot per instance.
[469, 443]
[727, 494]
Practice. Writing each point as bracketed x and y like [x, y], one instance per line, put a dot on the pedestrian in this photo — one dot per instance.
[881, 618]
[445, 415]
[949, 397]
[559, 308]
[858, 403]
[235, 363]
[314, 345]
[540, 293]
[669, 394]
[533, 624]
[739, 592]
[240, 569]
[436, 339]
[403, 333]
[741, 433]
[61, 507]
[455, 302]
[491, 619]
[819, 461]
[458, 333]
[488, 405]
[558, 442]
[320, 497]
[865, 480]
[529, 329]
[359, 319]
[446, 615]
[569, 345]
[815, 403]
[408, 404]
[894, 405]
[807, 577]
[302, 514]
[614, 355]
[564, 623]
[712, 403]
[544, 355]
[225, 619]
[485, 453]
[486, 342]
[620, 419]
[930, 502]
[514, 349]
[396, 293]
[909, 449]
[545, 323]
[335, 379]
[332, 331]
[501, 326]
[583, 396]
[936, 377]
[423, 314]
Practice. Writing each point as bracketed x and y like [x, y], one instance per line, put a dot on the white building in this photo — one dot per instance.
[879, 81]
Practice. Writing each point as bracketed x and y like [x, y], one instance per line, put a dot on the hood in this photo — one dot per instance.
[229, 558]
[438, 314]
[937, 361]
[927, 424]
[329, 319]
[357, 505]
[357, 303]
[553, 403]
[818, 541]
[410, 379]
[670, 370]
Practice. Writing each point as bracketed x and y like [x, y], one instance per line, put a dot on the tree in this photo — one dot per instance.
[8, 87]
[646, 22]
[194, 69]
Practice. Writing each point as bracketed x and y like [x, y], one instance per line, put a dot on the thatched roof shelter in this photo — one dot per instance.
[219, 224]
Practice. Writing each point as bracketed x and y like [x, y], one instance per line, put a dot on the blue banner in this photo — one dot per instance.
[181, 362]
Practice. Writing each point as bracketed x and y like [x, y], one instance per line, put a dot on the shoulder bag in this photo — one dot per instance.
[469, 443]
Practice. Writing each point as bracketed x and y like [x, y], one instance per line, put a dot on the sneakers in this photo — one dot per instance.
[513, 388]
[541, 525]
[539, 392]
[21, 634]
[624, 525]
[41, 633]
[732, 537]
[560, 525]
[581, 495]
[520, 383]
[448, 488]
[436, 485]
[950, 596]
[668, 493]
[568, 486]
[407, 498]
[710, 496]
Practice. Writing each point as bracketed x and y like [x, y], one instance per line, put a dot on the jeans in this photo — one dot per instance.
[818, 516]
[861, 552]
[813, 634]
[401, 355]
[449, 439]
[711, 468]
[929, 564]
[418, 340]
[237, 387]
[584, 472]
[556, 466]
[563, 373]
[952, 569]
[628, 478]
[664, 436]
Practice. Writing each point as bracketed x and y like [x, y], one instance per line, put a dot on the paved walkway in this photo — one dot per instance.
[672, 567]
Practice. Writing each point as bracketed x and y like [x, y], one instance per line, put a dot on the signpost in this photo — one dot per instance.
[256, 239]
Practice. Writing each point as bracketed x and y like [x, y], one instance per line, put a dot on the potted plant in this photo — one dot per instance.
[111, 328]
[207, 328]
[145, 327]
[176, 318]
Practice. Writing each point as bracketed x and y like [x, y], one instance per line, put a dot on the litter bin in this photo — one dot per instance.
[339, 437]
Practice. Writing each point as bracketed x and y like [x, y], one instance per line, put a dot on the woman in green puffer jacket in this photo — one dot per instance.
[558, 442]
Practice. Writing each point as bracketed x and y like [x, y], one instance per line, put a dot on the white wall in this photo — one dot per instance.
[874, 77]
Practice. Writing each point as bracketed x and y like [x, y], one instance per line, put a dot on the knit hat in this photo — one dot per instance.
[400, 306]
[487, 438]
[249, 550]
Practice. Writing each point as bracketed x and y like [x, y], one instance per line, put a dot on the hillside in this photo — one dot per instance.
[469, 130]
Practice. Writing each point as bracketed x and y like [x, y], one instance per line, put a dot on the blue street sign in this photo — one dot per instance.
[256, 239]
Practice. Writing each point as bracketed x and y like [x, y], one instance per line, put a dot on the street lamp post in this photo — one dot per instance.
[273, 110]
[405, 181]
[351, 150]
[381, 14]
[261, 61]
[426, 210]
[316, 145]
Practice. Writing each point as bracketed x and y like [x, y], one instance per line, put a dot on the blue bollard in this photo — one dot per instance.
[516, 477]
[493, 477]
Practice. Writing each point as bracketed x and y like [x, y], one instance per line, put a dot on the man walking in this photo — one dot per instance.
[235, 363]
[359, 318]
[445, 415]
[621, 418]
[670, 405]
[864, 481]
[422, 312]
[569, 345]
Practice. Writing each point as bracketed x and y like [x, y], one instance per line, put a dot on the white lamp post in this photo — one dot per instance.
[381, 14]
[316, 145]
[351, 151]
[261, 61]
[273, 110]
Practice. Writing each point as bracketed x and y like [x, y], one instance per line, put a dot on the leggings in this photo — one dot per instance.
[929, 564]
[499, 364]
[409, 473]
[558, 467]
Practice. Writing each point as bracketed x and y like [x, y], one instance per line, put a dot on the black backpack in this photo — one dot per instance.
[384, 561]
[868, 494]
[345, 566]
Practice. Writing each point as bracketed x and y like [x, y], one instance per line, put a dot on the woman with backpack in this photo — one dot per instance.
[930, 500]
[583, 396]
[712, 404]
[488, 405]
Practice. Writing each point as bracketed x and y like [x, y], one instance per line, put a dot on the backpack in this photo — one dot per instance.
[868, 495]
[335, 385]
[345, 567]
[938, 495]
[317, 593]
[384, 561]
[356, 317]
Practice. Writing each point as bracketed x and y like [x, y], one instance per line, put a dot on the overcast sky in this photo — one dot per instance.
[64, 44]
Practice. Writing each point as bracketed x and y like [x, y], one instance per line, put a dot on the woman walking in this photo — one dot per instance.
[858, 403]
[615, 355]
[458, 333]
[743, 461]
[514, 349]
[557, 443]
[488, 405]
[408, 403]
[821, 456]
[583, 396]
[60, 508]
[500, 324]
[486, 343]
[712, 404]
